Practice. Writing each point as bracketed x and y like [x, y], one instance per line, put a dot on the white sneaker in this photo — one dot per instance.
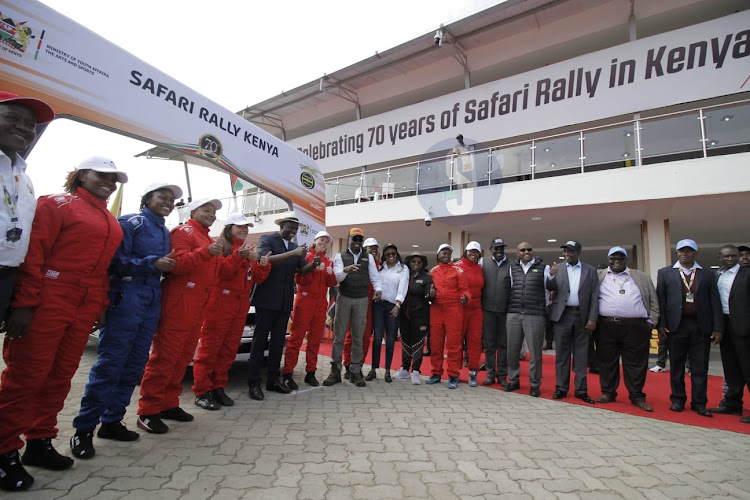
[401, 374]
[415, 378]
[658, 369]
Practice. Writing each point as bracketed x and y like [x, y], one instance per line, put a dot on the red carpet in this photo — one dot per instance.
[657, 390]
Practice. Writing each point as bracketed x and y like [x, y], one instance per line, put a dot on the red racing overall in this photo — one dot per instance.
[184, 298]
[228, 303]
[309, 314]
[447, 318]
[473, 318]
[64, 277]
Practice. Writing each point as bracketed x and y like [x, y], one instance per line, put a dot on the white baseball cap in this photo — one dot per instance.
[370, 242]
[474, 245]
[104, 165]
[445, 245]
[615, 250]
[238, 219]
[324, 234]
[163, 185]
[204, 201]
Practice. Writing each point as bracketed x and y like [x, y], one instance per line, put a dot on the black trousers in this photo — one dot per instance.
[7, 284]
[414, 329]
[495, 338]
[267, 322]
[629, 340]
[689, 342]
[571, 339]
[735, 357]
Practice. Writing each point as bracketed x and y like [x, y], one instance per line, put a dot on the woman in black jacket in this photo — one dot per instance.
[414, 322]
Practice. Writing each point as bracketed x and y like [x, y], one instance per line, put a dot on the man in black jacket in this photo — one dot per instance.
[495, 298]
[734, 292]
[690, 318]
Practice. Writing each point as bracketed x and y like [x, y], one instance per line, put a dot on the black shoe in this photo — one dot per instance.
[703, 411]
[548, 346]
[347, 373]
[13, 477]
[512, 387]
[278, 386]
[745, 420]
[559, 395]
[388, 377]
[177, 414]
[358, 380]
[723, 410]
[207, 402]
[117, 432]
[586, 398]
[427, 353]
[371, 376]
[257, 394]
[534, 392]
[41, 453]
[594, 371]
[290, 383]
[676, 407]
[82, 444]
[311, 380]
[488, 380]
[221, 397]
[152, 424]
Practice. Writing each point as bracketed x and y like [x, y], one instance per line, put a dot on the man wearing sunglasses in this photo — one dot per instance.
[526, 317]
[628, 311]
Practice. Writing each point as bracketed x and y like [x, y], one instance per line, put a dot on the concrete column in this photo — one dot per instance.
[457, 239]
[656, 245]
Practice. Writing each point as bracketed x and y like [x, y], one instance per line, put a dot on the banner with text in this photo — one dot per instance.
[698, 62]
[86, 78]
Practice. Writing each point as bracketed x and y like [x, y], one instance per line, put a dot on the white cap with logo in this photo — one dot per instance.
[474, 245]
[204, 201]
[103, 165]
[238, 219]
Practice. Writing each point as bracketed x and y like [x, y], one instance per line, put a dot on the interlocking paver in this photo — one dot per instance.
[401, 441]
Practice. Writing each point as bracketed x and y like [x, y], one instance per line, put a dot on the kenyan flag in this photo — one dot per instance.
[238, 184]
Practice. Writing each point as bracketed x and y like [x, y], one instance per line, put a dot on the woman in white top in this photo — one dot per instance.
[394, 278]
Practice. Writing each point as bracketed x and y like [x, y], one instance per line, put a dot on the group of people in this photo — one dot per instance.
[67, 264]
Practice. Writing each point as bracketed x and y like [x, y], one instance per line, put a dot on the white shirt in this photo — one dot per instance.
[372, 270]
[726, 279]
[19, 185]
[574, 280]
[395, 282]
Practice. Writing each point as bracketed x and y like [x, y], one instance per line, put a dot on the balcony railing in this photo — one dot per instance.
[699, 133]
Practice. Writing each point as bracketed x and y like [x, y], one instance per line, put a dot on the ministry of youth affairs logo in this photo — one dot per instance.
[459, 181]
[15, 35]
[307, 177]
[210, 146]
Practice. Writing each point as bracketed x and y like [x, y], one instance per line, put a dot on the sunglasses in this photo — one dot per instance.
[357, 238]
[617, 259]
[390, 254]
[524, 250]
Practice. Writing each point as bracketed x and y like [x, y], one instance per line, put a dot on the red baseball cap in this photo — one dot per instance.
[41, 109]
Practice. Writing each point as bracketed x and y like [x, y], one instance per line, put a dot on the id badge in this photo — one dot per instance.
[689, 298]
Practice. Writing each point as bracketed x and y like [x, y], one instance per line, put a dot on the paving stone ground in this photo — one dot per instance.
[400, 441]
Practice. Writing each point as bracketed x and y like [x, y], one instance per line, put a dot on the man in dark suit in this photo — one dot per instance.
[273, 300]
[574, 311]
[734, 292]
[690, 318]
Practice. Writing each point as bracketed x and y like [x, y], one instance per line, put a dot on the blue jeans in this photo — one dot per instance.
[383, 323]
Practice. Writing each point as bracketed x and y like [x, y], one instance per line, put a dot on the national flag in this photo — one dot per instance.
[116, 208]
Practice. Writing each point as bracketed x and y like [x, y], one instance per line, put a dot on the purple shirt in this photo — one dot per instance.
[621, 305]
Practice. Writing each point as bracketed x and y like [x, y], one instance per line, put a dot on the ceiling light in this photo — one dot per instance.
[626, 155]
[561, 257]
[415, 246]
[551, 240]
[536, 218]
[713, 143]
[726, 118]
[552, 165]
[628, 133]
[546, 150]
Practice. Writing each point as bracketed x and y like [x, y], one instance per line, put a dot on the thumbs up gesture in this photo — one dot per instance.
[264, 259]
[166, 263]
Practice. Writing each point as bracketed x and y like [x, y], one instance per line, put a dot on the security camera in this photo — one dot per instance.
[438, 39]
[428, 221]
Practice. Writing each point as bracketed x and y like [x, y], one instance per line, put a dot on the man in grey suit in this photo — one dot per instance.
[628, 311]
[574, 312]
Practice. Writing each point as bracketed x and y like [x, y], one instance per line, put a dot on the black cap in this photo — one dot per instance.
[497, 242]
[743, 248]
[572, 245]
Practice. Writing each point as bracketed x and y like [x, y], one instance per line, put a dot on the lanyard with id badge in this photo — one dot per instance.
[13, 234]
[689, 296]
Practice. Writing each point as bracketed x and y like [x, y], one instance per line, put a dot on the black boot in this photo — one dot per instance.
[221, 397]
[41, 453]
[334, 377]
[82, 444]
[13, 477]
[289, 379]
[311, 380]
